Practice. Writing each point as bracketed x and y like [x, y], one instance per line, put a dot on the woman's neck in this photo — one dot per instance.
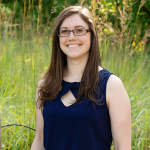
[74, 70]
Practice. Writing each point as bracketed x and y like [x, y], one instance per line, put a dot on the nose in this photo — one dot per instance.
[72, 36]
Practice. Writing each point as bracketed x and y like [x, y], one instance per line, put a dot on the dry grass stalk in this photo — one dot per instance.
[141, 5]
[40, 6]
[125, 15]
[24, 17]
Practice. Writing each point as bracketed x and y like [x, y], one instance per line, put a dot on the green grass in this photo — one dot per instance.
[22, 64]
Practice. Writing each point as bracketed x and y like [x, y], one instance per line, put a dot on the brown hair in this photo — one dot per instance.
[52, 79]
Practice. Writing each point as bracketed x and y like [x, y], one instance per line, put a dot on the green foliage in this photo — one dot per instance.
[134, 14]
[126, 16]
[49, 9]
[140, 16]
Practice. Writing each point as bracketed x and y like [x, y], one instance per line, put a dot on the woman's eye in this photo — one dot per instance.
[64, 31]
[79, 30]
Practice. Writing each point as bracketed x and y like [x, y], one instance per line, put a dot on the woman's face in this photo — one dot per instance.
[75, 47]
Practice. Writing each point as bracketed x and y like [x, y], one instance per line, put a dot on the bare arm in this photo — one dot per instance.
[38, 140]
[120, 113]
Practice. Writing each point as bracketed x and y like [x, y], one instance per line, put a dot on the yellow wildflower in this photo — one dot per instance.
[140, 44]
[105, 30]
[133, 44]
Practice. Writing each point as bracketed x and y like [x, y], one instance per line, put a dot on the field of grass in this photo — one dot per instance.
[22, 63]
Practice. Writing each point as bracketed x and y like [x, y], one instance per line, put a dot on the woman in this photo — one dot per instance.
[80, 104]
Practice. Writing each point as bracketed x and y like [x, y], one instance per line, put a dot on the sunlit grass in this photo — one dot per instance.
[21, 66]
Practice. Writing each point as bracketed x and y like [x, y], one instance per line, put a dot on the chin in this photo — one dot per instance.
[74, 56]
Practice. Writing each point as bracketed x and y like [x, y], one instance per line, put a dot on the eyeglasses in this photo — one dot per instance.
[76, 32]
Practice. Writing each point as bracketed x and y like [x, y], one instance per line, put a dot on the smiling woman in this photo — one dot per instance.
[80, 104]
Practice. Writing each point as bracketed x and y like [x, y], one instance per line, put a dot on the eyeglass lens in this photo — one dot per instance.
[80, 31]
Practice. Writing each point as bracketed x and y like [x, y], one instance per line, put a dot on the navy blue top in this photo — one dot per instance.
[81, 126]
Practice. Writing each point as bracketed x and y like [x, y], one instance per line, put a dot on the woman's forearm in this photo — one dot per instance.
[37, 145]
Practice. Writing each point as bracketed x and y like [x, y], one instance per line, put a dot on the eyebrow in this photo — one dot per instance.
[74, 27]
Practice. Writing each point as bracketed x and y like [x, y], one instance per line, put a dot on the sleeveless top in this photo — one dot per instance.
[81, 126]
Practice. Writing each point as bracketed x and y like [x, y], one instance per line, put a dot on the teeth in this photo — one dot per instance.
[73, 45]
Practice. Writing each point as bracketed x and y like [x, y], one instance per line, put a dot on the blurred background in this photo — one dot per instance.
[26, 28]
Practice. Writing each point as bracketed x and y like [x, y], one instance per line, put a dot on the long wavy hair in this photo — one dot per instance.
[52, 79]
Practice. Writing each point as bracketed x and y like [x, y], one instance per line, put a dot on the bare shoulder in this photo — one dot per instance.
[114, 82]
[40, 83]
[115, 90]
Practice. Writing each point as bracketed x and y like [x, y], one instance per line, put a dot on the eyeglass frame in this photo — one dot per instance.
[87, 30]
